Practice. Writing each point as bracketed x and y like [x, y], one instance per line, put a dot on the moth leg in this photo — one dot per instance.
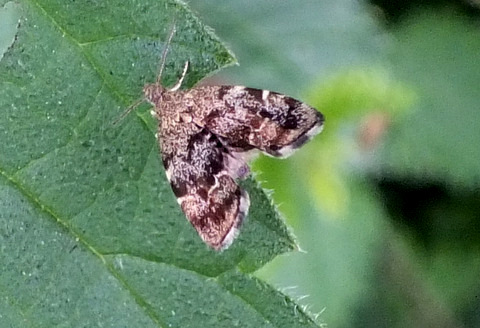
[236, 164]
[127, 111]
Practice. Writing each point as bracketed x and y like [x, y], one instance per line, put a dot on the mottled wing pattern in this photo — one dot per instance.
[202, 172]
[246, 118]
[205, 135]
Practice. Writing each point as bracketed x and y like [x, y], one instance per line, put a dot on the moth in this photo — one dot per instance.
[206, 135]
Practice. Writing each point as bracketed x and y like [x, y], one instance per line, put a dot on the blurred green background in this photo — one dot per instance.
[385, 203]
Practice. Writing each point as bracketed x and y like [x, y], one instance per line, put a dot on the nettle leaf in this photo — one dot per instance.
[90, 232]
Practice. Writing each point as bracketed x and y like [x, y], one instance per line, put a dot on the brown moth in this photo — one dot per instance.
[206, 135]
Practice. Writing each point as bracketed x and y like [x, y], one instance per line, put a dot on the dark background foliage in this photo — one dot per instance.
[391, 228]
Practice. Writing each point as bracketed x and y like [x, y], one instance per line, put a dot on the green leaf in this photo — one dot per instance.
[90, 231]
[437, 55]
[284, 47]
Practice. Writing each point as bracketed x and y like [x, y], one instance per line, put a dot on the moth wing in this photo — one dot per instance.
[203, 179]
[249, 118]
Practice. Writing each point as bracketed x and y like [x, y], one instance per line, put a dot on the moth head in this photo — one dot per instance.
[153, 93]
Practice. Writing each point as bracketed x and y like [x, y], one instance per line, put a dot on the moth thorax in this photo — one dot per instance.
[153, 93]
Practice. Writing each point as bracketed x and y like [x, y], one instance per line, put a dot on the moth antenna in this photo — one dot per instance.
[179, 83]
[165, 51]
[159, 76]
[128, 110]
